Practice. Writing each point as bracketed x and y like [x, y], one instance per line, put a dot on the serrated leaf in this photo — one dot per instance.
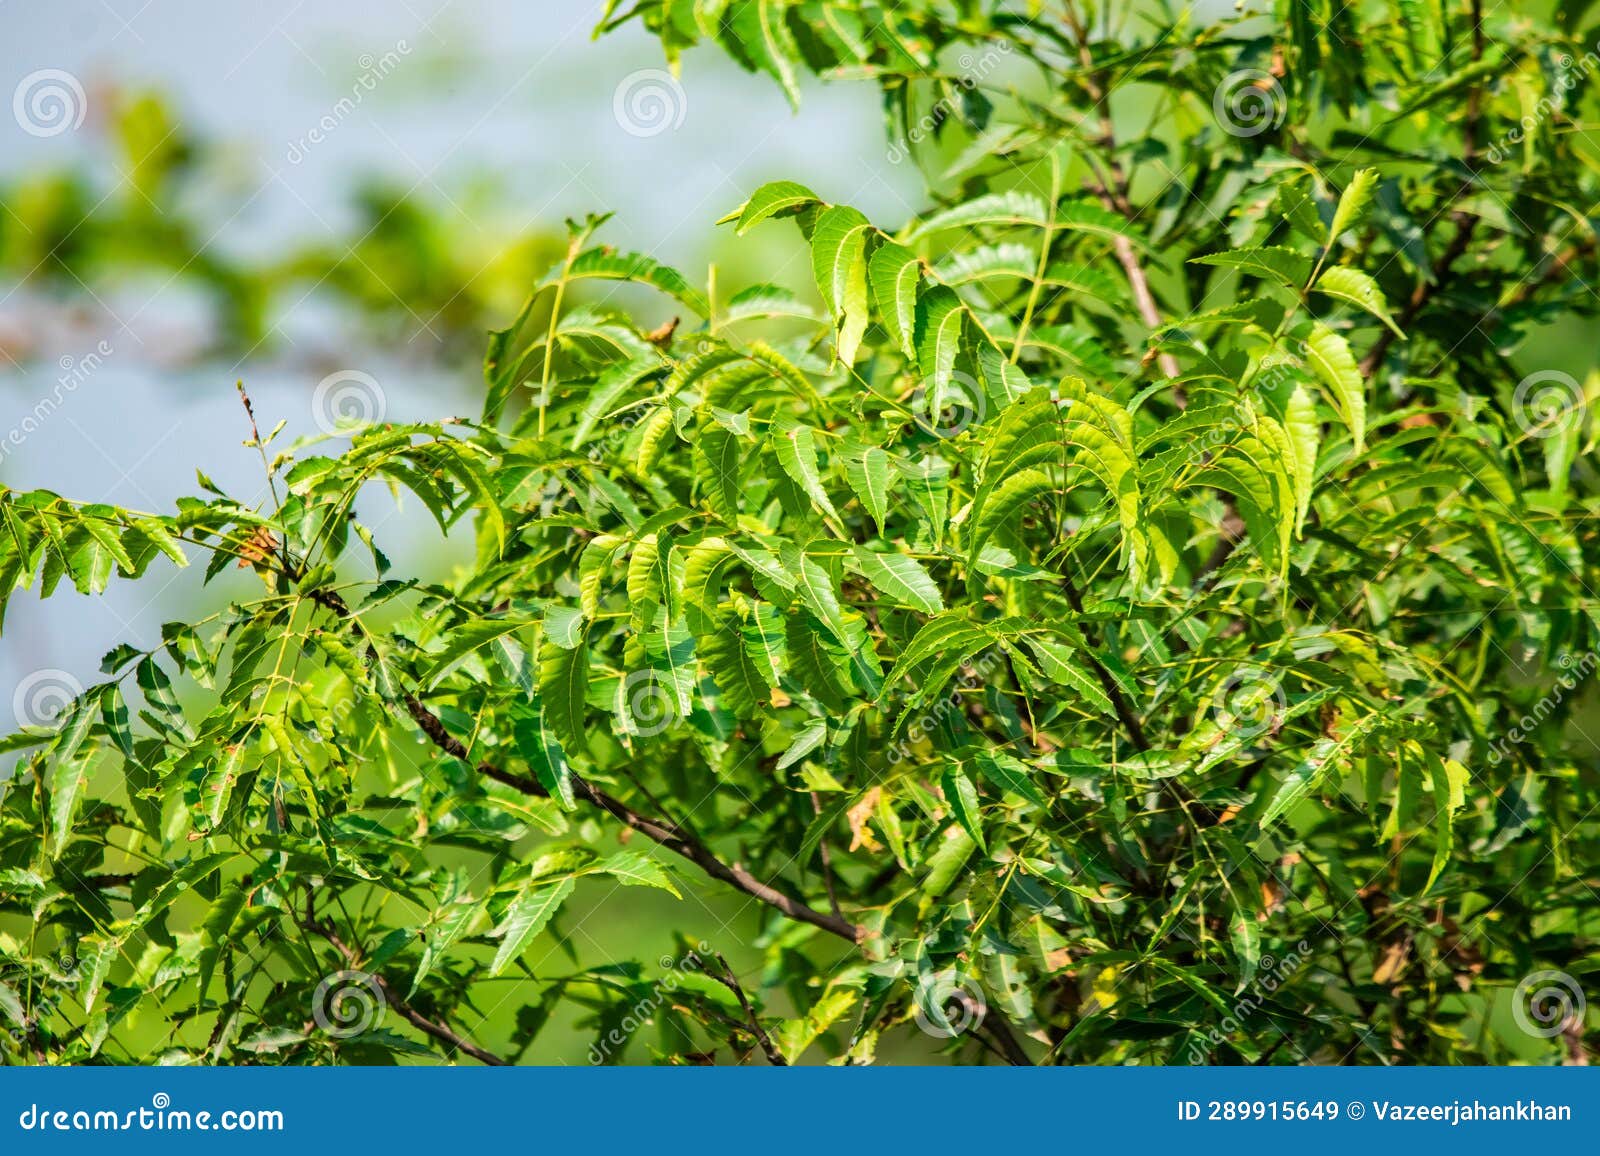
[538, 745]
[1011, 208]
[774, 199]
[1352, 202]
[870, 474]
[963, 799]
[938, 341]
[1331, 360]
[896, 273]
[838, 258]
[636, 869]
[529, 913]
[796, 448]
[1360, 290]
[563, 689]
[1284, 266]
[901, 578]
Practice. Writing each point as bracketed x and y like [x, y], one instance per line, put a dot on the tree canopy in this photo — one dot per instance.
[1135, 610]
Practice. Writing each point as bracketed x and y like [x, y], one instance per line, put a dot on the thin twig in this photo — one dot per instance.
[439, 1031]
[664, 832]
[731, 982]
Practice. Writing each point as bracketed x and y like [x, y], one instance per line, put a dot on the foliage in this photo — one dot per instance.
[1109, 607]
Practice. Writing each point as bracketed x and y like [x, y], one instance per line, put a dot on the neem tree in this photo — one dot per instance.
[1138, 617]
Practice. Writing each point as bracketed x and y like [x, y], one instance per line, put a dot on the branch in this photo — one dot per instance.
[391, 998]
[1113, 193]
[731, 982]
[666, 833]
[1129, 720]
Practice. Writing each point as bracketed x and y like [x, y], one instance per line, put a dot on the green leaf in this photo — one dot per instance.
[158, 696]
[870, 474]
[537, 744]
[992, 209]
[963, 799]
[896, 273]
[466, 640]
[214, 790]
[1335, 367]
[1352, 202]
[796, 448]
[1284, 266]
[938, 340]
[114, 717]
[779, 198]
[763, 41]
[67, 781]
[900, 577]
[1008, 774]
[1061, 665]
[723, 456]
[1304, 436]
[636, 869]
[1360, 290]
[838, 258]
[563, 689]
[529, 913]
[1449, 780]
[808, 740]
[603, 264]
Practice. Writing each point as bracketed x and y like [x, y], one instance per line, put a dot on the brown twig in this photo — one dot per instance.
[664, 832]
[827, 860]
[731, 981]
[1108, 683]
[438, 1031]
[1113, 192]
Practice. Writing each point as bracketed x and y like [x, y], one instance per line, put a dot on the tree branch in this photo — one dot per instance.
[731, 981]
[438, 1031]
[666, 833]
